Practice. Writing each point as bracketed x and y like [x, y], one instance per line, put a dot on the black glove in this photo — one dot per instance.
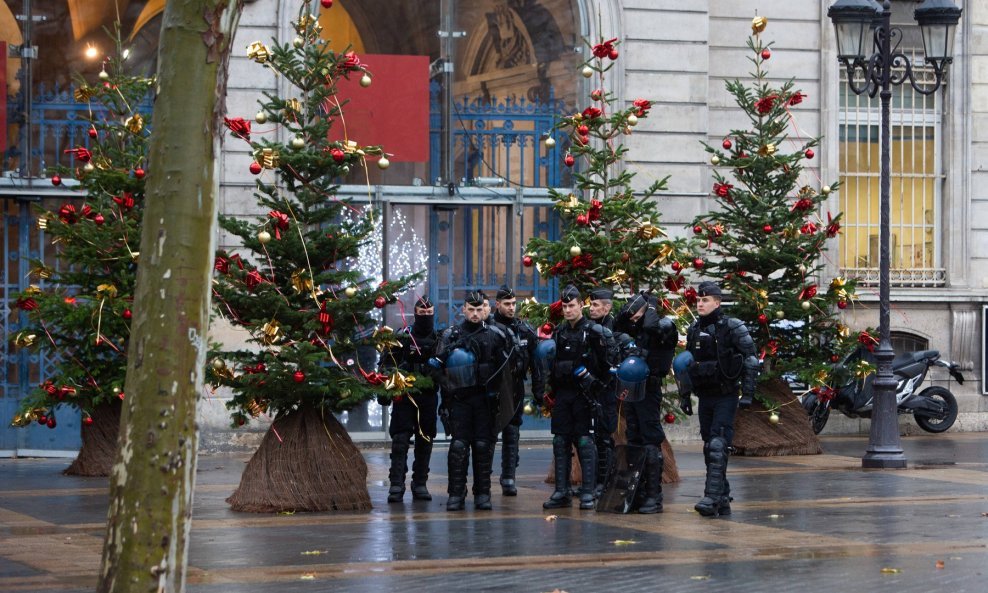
[384, 400]
[686, 405]
[444, 418]
[584, 378]
[745, 402]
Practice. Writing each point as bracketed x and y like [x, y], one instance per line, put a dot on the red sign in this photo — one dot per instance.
[392, 112]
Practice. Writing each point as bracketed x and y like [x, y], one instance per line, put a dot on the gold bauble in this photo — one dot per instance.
[805, 305]
[103, 75]
[264, 237]
[550, 142]
[773, 418]
[529, 410]
[802, 269]
[715, 160]
[587, 72]
[298, 143]
[825, 190]
[632, 120]
[350, 291]
[365, 80]
[218, 363]
[575, 250]
[780, 314]
[298, 42]
[383, 163]
[88, 167]
[261, 117]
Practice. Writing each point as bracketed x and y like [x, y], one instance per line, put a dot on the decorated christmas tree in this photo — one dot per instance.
[80, 309]
[611, 234]
[766, 242]
[310, 316]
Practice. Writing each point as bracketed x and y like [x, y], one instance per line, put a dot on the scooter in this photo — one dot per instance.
[933, 408]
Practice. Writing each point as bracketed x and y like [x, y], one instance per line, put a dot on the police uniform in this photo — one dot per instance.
[606, 421]
[722, 358]
[525, 342]
[656, 337]
[585, 351]
[472, 407]
[414, 416]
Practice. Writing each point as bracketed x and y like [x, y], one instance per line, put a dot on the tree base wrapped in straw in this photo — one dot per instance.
[99, 442]
[756, 436]
[306, 462]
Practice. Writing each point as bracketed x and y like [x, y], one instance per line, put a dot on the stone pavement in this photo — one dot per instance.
[803, 524]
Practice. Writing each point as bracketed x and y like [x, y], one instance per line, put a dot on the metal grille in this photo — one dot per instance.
[916, 180]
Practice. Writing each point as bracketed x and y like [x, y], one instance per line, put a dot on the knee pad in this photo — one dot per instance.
[585, 441]
[559, 440]
[458, 446]
[718, 448]
[404, 438]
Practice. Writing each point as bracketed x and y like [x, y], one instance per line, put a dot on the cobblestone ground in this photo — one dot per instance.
[802, 524]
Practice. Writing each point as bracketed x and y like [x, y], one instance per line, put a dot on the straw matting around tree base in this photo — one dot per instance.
[99, 442]
[755, 436]
[306, 462]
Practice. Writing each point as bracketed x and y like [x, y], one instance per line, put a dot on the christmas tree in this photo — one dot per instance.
[79, 312]
[295, 289]
[767, 237]
[611, 235]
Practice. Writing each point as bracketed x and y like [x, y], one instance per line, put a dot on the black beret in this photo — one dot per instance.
[569, 293]
[505, 292]
[475, 298]
[601, 294]
[708, 288]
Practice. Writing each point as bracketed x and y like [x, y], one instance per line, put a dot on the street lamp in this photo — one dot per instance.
[855, 21]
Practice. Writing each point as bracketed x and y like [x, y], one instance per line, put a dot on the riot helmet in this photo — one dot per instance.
[632, 374]
[461, 369]
[545, 356]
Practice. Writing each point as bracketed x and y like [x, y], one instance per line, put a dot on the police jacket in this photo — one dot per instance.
[490, 347]
[724, 356]
[526, 341]
[415, 350]
[654, 335]
[586, 344]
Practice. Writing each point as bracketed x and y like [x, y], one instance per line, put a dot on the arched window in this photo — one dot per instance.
[907, 342]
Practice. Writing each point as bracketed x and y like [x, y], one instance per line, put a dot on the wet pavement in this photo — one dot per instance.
[803, 524]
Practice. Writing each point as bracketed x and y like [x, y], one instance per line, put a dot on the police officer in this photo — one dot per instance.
[656, 337]
[720, 357]
[585, 352]
[606, 421]
[472, 354]
[414, 416]
[526, 341]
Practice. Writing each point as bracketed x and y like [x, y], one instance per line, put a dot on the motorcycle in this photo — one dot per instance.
[933, 408]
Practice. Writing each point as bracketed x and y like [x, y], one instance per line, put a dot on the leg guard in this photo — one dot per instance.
[605, 463]
[509, 459]
[560, 463]
[652, 502]
[399, 466]
[459, 457]
[483, 462]
[587, 452]
[420, 469]
[715, 488]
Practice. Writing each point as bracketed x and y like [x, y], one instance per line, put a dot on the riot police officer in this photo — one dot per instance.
[414, 416]
[720, 358]
[655, 336]
[585, 352]
[526, 341]
[606, 421]
[472, 355]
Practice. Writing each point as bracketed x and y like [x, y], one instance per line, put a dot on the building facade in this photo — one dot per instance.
[465, 218]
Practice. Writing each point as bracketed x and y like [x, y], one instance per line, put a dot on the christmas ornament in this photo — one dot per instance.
[587, 72]
[618, 277]
[583, 130]
[87, 421]
[550, 142]
[298, 143]
[127, 314]
[582, 220]
[337, 154]
[93, 133]
[767, 228]
[547, 328]
[298, 376]
[647, 230]
[575, 251]
[825, 190]
[350, 291]
[258, 52]
[135, 123]
[773, 418]
[264, 237]
[380, 301]
[139, 173]
[766, 53]
[529, 409]
[88, 167]
[842, 304]
[365, 80]
[298, 42]
[698, 263]
[763, 319]
[270, 158]
[261, 117]
[568, 160]
[697, 229]
[326, 3]
[767, 150]
[56, 181]
[809, 153]
[802, 269]
[527, 261]
[383, 163]
[758, 24]
[676, 266]
[613, 54]
[726, 144]
[780, 314]
[632, 120]
[715, 160]
[670, 418]
[805, 305]
[99, 219]
[596, 94]
[255, 167]
[104, 75]
[51, 422]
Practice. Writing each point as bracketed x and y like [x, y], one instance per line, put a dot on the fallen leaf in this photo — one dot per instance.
[705, 577]
[775, 516]
[551, 517]
[624, 542]
[314, 552]
[984, 514]
[888, 570]
[308, 577]
[940, 564]
[286, 513]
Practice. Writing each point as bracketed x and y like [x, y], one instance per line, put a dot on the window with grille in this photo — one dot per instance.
[916, 178]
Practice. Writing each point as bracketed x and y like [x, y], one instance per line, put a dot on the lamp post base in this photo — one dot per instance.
[884, 457]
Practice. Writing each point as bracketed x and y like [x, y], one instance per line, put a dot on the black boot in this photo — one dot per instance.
[587, 452]
[420, 469]
[652, 503]
[715, 489]
[605, 463]
[560, 462]
[399, 465]
[509, 459]
[725, 501]
[483, 465]
[459, 458]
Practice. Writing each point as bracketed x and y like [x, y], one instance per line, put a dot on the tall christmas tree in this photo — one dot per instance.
[310, 315]
[79, 312]
[768, 236]
[611, 235]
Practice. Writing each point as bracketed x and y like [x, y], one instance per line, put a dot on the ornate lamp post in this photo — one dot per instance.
[855, 21]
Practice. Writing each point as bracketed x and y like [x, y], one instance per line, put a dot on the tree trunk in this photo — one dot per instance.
[756, 436]
[306, 462]
[99, 442]
[147, 535]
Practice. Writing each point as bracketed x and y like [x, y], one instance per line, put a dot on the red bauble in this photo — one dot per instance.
[298, 377]
[676, 266]
[380, 301]
[42, 419]
[596, 94]
[547, 328]
[766, 54]
[99, 219]
[727, 144]
[809, 153]
[613, 54]
[763, 319]
[139, 173]
[834, 358]
[670, 417]
[582, 220]
[127, 314]
[337, 154]
[625, 256]
[255, 168]
[697, 229]
[527, 261]
[93, 133]
[51, 422]
[87, 421]
[56, 180]
[121, 395]
[568, 160]
[326, 3]
[583, 130]
[698, 263]
[767, 228]
[842, 304]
